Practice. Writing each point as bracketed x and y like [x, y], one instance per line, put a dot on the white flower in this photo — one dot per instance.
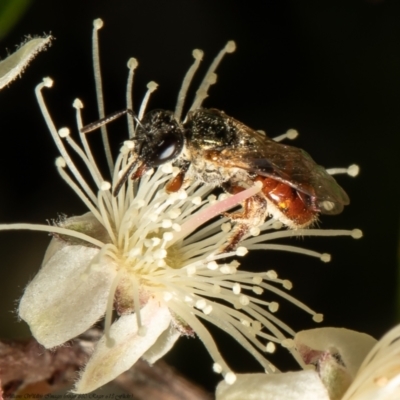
[348, 365]
[149, 256]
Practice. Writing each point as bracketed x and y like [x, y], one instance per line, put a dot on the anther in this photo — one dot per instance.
[287, 284]
[271, 274]
[104, 186]
[152, 86]
[353, 170]
[257, 280]
[201, 304]
[198, 54]
[48, 82]
[230, 378]
[64, 132]
[196, 200]
[168, 236]
[236, 289]
[356, 234]
[217, 368]
[292, 134]
[98, 23]
[230, 46]
[132, 63]
[255, 231]
[77, 104]
[60, 162]
[270, 347]
[241, 251]
[212, 266]
[244, 300]
[325, 257]
[318, 317]
[258, 290]
[273, 306]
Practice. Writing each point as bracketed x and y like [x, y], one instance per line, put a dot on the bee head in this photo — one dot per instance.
[160, 137]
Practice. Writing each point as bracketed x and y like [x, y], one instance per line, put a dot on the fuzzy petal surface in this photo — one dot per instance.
[66, 297]
[302, 385]
[107, 362]
[14, 65]
[163, 345]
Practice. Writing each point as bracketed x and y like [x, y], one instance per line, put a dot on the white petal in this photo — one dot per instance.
[66, 298]
[107, 363]
[163, 345]
[379, 376]
[302, 385]
[352, 346]
[14, 65]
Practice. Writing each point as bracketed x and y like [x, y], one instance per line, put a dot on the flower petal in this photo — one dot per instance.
[14, 65]
[379, 375]
[351, 346]
[107, 363]
[66, 297]
[302, 385]
[163, 345]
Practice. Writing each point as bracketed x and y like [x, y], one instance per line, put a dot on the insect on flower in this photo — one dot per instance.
[211, 147]
[150, 262]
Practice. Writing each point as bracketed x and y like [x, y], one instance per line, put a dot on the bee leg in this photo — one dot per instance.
[177, 181]
[253, 214]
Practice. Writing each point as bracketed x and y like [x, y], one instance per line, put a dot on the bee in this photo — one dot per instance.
[211, 147]
[214, 148]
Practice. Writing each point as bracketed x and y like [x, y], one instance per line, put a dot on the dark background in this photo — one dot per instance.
[330, 69]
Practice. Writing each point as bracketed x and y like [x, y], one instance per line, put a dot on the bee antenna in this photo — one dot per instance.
[106, 120]
[124, 178]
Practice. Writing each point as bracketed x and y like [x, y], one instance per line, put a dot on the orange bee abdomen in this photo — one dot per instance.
[296, 206]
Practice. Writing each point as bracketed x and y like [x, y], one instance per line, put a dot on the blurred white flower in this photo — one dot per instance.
[346, 365]
[153, 257]
[15, 64]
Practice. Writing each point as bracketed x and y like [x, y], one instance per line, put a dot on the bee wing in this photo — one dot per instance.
[287, 164]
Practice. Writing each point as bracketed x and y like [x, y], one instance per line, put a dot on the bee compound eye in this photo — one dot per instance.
[167, 149]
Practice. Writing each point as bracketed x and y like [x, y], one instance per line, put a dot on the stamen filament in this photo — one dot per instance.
[52, 229]
[98, 24]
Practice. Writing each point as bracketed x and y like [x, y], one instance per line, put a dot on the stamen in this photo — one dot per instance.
[52, 229]
[290, 134]
[198, 55]
[132, 65]
[93, 171]
[230, 378]
[353, 170]
[210, 77]
[151, 87]
[109, 310]
[59, 143]
[201, 332]
[137, 306]
[98, 24]
[89, 204]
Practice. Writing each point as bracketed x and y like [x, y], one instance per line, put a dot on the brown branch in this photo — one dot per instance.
[27, 368]
[159, 381]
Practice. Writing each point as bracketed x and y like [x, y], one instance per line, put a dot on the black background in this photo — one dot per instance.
[330, 69]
